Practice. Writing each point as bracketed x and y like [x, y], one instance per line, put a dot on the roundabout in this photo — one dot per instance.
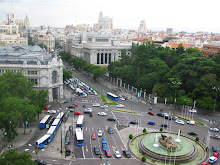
[164, 147]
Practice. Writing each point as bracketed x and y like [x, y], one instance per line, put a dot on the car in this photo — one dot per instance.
[151, 123]
[76, 105]
[123, 99]
[96, 105]
[193, 110]
[103, 106]
[78, 113]
[159, 114]
[70, 106]
[168, 117]
[127, 153]
[45, 107]
[192, 133]
[104, 141]
[117, 154]
[180, 122]
[204, 163]
[120, 106]
[88, 110]
[174, 117]
[100, 133]
[214, 149]
[150, 108]
[93, 136]
[163, 125]
[111, 119]
[96, 150]
[214, 129]
[191, 122]
[52, 111]
[108, 154]
[40, 162]
[215, 136]
[150, 113]
[133, 122]
[104, 147]
[110, 130]
[84, 105]
[102, 113]
[216, 154]
[213, 159]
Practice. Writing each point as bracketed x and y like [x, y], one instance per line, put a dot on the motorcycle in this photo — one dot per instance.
[90, 115]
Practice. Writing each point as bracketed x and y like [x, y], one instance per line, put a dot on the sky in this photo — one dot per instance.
[187, 15]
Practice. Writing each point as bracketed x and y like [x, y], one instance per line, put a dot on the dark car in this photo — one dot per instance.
[70, 106]
[40, 162]
[133, 122]
[110, 130]
[192, 133]
[111, 119]
[168, 117]
[96, 150]
[163, 125]
[127, 153]
[159, 114]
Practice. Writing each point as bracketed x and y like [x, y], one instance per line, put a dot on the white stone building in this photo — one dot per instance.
[47, 39]
[41, 68]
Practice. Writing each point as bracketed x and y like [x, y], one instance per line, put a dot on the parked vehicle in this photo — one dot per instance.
[117, 154]
[104, 147]
[127, 153]
[108, 154]
[96, 150]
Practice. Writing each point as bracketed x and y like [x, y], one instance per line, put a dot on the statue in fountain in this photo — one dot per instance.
[168, 142]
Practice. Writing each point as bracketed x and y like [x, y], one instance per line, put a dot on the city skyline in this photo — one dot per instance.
[190, 16]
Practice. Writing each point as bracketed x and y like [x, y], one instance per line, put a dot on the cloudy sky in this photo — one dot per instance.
[187, 15]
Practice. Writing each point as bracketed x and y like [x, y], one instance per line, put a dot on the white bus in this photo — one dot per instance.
[79, 137]
[79, 122]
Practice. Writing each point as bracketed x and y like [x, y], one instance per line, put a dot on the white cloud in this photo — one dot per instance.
[188, 15]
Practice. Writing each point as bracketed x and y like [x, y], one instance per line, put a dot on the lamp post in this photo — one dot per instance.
[176, 84]
[217, 89]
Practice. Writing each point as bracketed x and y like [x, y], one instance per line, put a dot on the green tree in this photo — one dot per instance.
[30, 42]
[12, 157]
[130, 136]
[43, 46]
[143, 159]
[65, 55]
[161, 129]
[144, 130]
[66, 74]
[161, 90]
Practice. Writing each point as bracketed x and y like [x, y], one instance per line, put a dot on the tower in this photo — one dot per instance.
[11, 18]
[26, 22]
[100, 17]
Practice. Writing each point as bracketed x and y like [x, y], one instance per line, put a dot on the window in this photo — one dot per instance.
[54, 77]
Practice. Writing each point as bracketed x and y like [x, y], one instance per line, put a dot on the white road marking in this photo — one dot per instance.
[83, 152]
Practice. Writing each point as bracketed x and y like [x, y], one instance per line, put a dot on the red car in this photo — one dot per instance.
[216, 154]
[204, 163]
[93, 136]
[108, 154]
[78, 113]
[76, 105]
[150, 113]
[46, 107]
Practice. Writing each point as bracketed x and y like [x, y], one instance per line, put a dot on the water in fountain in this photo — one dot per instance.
[178, 138]
[156, 142]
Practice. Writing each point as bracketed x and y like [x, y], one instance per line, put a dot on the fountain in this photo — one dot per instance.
[156, 142]
[178, 137]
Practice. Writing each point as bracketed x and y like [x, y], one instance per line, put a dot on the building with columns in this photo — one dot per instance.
[99, 49]
[47, 39]
[43, 69]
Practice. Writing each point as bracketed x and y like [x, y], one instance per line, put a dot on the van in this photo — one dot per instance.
[191, 122]
[67, 150]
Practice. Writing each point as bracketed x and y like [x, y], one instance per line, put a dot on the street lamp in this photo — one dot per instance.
[217, 89]
[176, 84]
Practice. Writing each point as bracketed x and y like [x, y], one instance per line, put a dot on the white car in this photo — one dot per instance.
[104, 106]
[214, 129]
[117, 154]
[102, 113]
[96, 105]
[51, 111]
[123, 99]
[213, 159]
[100, 133]
[180, 122]
[191, 122]
[193, 110]
[120, 106]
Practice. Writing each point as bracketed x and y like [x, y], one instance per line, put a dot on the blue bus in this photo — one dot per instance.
[43, 141]
[79, 137]
[52, 131]
[44, 121]
[112, 96]
[56, 123]
[60, 115]
[79, 122]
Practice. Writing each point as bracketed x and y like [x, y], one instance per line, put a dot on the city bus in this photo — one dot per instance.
[44, 121]
[60, 115]
[79, 122]
[43, 141]
[112, 96]
[79, 137]
[49, 123]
